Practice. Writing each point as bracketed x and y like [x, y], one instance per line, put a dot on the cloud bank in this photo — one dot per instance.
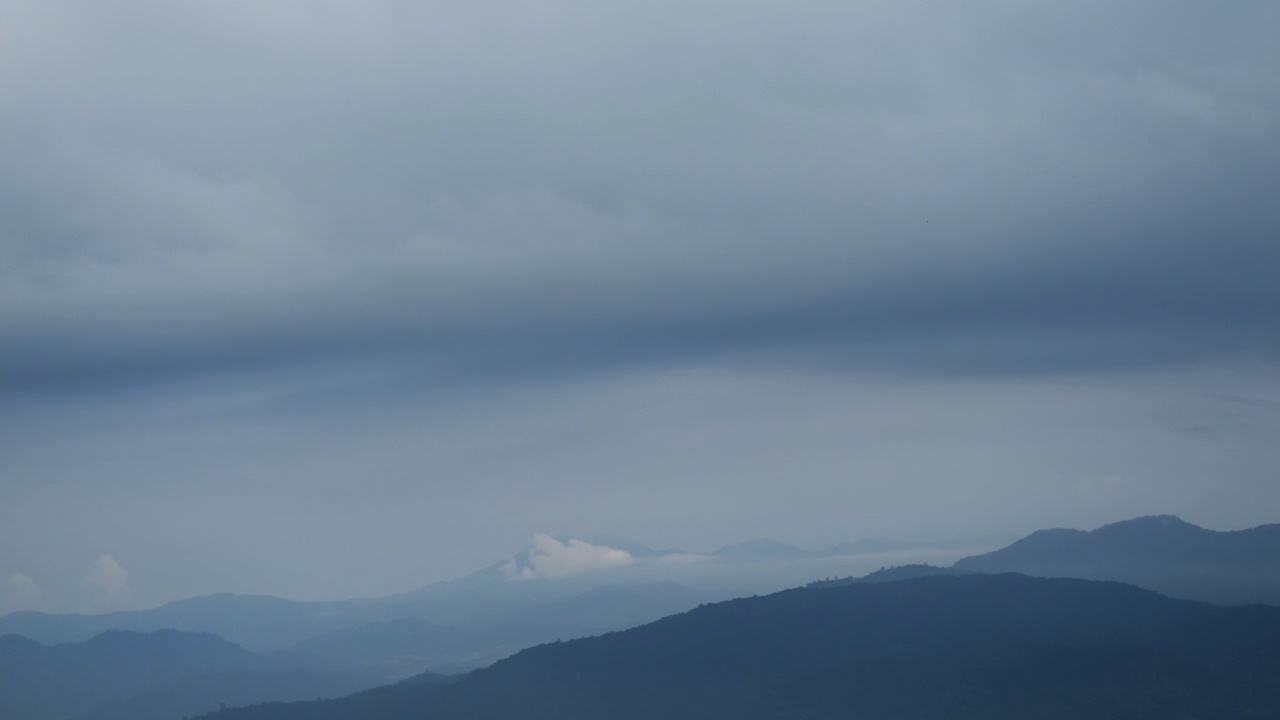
[111, 579]
[993, 188]
[550, 559]
[23, 591]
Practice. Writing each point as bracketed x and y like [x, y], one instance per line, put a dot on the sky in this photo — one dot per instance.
[334, 299]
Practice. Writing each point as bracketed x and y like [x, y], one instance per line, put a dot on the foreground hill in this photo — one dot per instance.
[1162, 553]
[990, 646]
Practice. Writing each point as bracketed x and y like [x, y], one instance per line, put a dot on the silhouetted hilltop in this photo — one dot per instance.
[889, 574]
[1160, 552]
[991, 646]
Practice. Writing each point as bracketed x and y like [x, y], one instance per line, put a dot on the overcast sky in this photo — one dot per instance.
[326, 299]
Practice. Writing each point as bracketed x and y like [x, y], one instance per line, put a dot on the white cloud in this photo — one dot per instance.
[113, 580]
[23, 589]
[550, 559]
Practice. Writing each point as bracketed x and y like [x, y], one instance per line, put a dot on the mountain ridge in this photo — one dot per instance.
[1160, 552]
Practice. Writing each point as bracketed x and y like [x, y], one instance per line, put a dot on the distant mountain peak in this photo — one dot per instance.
[552, 559]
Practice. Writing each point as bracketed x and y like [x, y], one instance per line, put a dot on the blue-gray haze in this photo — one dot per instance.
[328, 299]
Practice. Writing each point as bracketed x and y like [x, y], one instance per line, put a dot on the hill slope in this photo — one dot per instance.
[999, 646]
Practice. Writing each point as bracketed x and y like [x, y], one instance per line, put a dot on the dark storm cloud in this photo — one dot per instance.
[457, 192]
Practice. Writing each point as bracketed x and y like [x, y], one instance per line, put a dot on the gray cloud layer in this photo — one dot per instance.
[465, 189]
[288, 286]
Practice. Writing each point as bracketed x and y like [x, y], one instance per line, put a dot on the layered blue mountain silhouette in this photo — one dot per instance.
[183, 658]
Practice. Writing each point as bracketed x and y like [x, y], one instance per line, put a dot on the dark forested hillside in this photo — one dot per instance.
[991, 646]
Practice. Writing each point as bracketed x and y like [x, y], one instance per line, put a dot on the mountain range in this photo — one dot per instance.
[170, 661]
[1162, 553]
[492, 610]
